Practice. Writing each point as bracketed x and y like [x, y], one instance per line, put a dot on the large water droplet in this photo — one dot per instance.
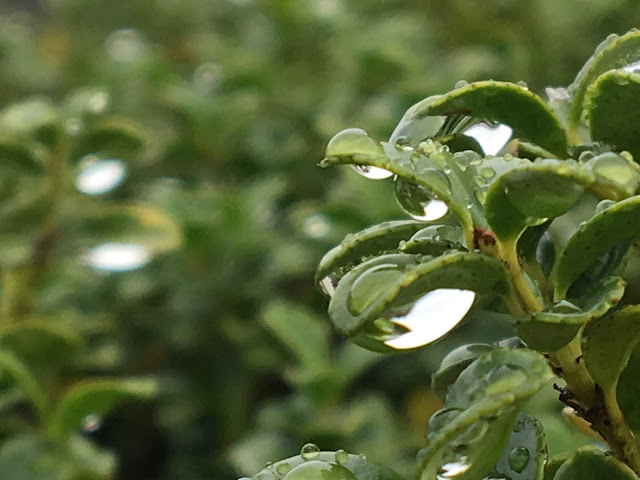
[309, 451]
[453, 469]
[419, 201]
[461, 83]
[372, 173]
[99, 102]
[283, 468]
[317, 470]
[431, 317]
[371, 284]
[316, 226]
[518, 459]
[354, 142]
[99, 176]
[491, 139]
[91, 423]
[342, 456]
[504, 379]
[117, 257]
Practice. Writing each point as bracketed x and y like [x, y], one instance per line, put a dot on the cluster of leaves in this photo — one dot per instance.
[544, 232]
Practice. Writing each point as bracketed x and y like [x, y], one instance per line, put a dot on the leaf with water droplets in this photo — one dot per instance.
[338, 465]
[557, 325]
[376, 240]
[370, 299]
[607, 228]
[589, 463]
[612, 105]
[453, 364]
[616, 177]
[524, 455]
[476, 421]
[615, 52]
[94, 397]
[506, 103]
[532, 194]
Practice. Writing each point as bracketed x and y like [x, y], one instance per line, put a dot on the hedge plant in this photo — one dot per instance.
[543, 232]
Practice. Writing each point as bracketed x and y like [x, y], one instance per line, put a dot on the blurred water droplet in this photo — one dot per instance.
[460, 84]
[309, 451]
[523, 84]
[342, 456]
[431, 317]
[480, 180]
[442, 418]
[491, 139]
[453, 469]
[418, 201]
[316, 226]
[283, 468]
[72, 127]
[208, 77]
[372, 173]
[99, 176]
[91, 423]
[487, 172]
[117, 257]
[362, 456]
[403, 141]
[99, 102]
[586, 156]
[518, 459]
[125, 45]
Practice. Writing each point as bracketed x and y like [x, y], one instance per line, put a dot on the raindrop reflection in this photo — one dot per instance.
[117, 257]
[99, 176]
[431, 317]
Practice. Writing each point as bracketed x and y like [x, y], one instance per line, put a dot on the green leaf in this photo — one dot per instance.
[628, 391]
[434, 240]
[34, 119]
[525, 454]
[612, 107]
[615, 52]
[593, 239]
[469, 434]
[557, 325]
[554, 464]
[508, 103]
[453, 364]
[94, 397]
[414, 127]
[608, 344]
[295, 328]
[533, 194]
[588, 463]
[338, 465]
[388, 286]
[111, 137]
[616, 177]
[26, 380]
[376, 240]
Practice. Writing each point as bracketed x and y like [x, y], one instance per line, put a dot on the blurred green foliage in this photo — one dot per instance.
[218, 111]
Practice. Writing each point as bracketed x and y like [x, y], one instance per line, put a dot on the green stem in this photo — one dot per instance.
[617, 433]
[529, 300]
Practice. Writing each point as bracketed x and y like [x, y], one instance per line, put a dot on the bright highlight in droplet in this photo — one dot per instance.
[432, 317]
[491, 139]
[433, 210]
[100, 176]
[453, 469]
[117, 257]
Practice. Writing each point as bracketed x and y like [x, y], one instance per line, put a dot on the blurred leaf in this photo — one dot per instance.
[27, 382]
[591, 464]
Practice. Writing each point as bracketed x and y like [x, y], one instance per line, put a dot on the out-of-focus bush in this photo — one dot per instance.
[234, 102]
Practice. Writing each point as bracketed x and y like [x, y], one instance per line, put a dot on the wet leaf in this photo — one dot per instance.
[329, 466]
[469, 433]
[594, 238]
[553, 328]
[94, 397]
[414, 127]
[453, 364]
[588, 463]
[616, 177]
[612, 107]
[615, 52]
[524, 456]
[507, 103]
[533, 194]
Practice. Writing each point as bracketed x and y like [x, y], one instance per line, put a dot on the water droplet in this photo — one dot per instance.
[487, 172]
[491, 139]
[353, 141]
[362, 456]
[418, 201]
[267, 464]
[518, 459]
[99, 102]
[372, 173]
[519, 425]
[283, 468]
[461, 161]
[613, 169]
[507, 157]
[461, 83]
[481, 196]
[453, 469]
[480, 180]
[208, 77]
[403, 141]
[91, 423]
[368, 287]
[469, 206]
[73, 126]
[476, 161]
[523, 84]
[342, 456]
[316, 226]
[431, 317]
[99, 176]
[504, 379]
[117, 257]
[586, 156]
[328, 285]
[125, 45]
[620, 80]
[309, 451]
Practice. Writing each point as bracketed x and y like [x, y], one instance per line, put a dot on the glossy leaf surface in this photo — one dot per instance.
[591, 464]
[453, 364]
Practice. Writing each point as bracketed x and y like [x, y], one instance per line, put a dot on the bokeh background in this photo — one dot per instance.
[237, 100]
